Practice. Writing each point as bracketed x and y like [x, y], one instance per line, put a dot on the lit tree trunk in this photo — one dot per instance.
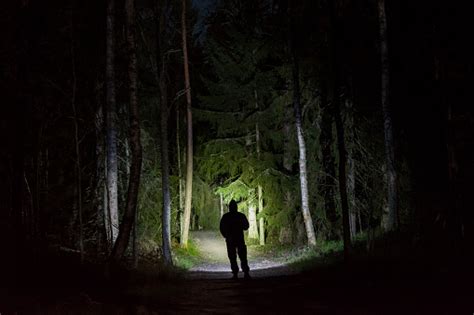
[76, 148]
[136, 149]
[252, 210]
[221, 204]
[261, 232]
[180, 177]
[165, 182]
[301, 146]
[189, 118]
[253, 228]
[261, 220]
[392, 197]
[111, 219]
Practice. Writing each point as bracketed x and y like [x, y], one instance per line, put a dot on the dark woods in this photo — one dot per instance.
[327, 121]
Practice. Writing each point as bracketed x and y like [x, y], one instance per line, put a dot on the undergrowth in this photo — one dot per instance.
[188, 257]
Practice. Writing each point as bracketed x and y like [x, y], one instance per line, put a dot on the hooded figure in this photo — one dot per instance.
[232, 227]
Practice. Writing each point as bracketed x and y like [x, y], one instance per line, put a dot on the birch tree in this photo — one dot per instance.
[189, 123]
[308, 221]
[111, 217]
[165, 180]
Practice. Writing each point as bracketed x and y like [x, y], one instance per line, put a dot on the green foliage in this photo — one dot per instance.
[186, 258]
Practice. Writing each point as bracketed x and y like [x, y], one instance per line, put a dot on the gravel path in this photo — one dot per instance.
[216, 264]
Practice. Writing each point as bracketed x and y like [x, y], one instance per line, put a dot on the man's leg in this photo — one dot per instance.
[232, 258]
[242, 250]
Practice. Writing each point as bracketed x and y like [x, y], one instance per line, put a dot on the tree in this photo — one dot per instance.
[341, 147]
[328, 182]
[189, 123]
[78, 167]
[392, 194]
[134, 139]
[111, 217]
[165, 181]
[308, 221]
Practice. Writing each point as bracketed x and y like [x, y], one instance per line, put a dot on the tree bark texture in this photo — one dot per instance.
[301, 145]
[134, 136]
[189, 123]
[392, 194]
[111, 219]
[260, 211]
[165, 180]
[253, 227]
[77, 148]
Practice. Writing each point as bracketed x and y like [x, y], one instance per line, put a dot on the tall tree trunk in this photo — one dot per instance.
[301, 143]
[189, 118]
[165, 181]
[259, 187]
[252, 209]
[287, 165]
[100, 187]
[112, 221]
[335, 60]
[351, 166]
[342, 177]
[260, 210]
[328, 164]
[392, 197]
[76, 146]
[180, 217]
[253, 227]
[135, 144]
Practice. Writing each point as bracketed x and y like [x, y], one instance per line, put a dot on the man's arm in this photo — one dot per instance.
[223, 227]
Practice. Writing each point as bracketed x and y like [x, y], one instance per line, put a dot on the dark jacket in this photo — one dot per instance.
[232, 227]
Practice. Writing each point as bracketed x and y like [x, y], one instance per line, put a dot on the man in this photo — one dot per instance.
[232, 227]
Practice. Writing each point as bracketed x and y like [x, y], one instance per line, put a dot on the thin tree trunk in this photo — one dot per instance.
[135, 144]
[287, 166]
[165, 181]
[135, 242]
[260, 210]
[261, 231]
[189, 118]
[221, 203]
[180, 177]
[392, 197]
[111, 116]
[301, 145]
[253, 227]
[343, 179]
[334, 55]
[351, 168]
[328, 163]
[76, 147]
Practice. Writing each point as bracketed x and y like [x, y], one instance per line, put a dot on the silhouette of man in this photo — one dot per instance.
[232, 227]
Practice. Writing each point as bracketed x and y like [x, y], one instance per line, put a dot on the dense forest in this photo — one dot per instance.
[127, 125]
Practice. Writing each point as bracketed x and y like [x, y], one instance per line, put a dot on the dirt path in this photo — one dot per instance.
[216, 264]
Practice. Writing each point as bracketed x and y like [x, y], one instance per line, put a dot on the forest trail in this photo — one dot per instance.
[215, 264]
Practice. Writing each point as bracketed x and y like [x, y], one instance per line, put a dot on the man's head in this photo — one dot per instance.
[232, 206]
